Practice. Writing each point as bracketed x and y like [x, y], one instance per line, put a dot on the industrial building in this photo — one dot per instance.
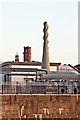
[39, 90]
[39, 77]
[20, 72]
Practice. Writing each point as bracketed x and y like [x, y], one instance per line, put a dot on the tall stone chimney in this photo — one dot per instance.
[45, 57]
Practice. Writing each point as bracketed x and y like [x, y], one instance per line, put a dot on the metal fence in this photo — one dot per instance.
[38, 89]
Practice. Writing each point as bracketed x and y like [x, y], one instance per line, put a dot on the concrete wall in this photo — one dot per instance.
[41, 106]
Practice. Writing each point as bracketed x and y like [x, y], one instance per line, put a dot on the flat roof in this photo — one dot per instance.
[32, 63]
[23, 69]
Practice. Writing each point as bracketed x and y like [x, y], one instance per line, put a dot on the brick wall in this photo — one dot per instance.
[41, 106]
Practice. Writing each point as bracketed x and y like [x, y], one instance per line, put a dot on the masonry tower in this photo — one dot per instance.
[45, 57]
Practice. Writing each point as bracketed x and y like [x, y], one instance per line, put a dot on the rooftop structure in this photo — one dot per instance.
[27, 54]
[77, 66]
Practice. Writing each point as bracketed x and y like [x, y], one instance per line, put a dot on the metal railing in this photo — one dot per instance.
[38, 89]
